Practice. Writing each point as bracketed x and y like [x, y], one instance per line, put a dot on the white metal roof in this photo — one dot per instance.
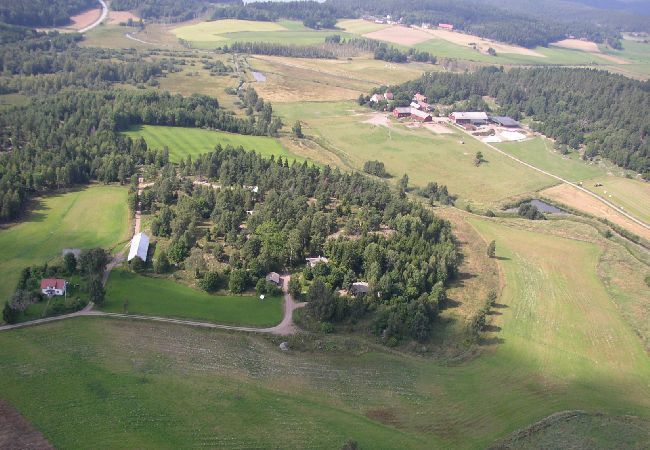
[421, 114]
[470, 115]
[139, 247]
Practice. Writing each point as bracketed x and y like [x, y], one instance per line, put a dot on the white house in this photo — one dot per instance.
[139, 247]
[53, 286]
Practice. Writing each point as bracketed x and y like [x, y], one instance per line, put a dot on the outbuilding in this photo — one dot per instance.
[360, 288]
[312, 262]
[401, 112]
[53, 286]
[274, 278]
[469, 118]
[419, 98]
[421, 116]
[504, 121]
[139, 247]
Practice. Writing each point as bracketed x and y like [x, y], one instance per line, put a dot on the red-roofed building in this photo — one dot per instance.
[419, 98]
[53, 286]
[388, 95]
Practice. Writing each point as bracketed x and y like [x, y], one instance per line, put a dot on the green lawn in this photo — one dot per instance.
[562, 344]
[163, 297]
[540, 153]
[195, 141]
[420, 153]
[88, 217]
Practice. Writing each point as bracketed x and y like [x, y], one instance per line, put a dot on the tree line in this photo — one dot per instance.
[602, 113]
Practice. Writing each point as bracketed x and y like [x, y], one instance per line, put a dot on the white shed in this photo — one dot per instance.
[139, 247]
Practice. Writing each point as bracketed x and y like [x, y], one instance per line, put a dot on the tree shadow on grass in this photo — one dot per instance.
[502, 258]
[492, 328]
[493, 340]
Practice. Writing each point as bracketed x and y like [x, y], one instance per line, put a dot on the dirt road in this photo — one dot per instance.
[102, 17]
[286, 327]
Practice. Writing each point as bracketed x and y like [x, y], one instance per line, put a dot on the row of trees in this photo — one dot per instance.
[277, 49]
[603, 113]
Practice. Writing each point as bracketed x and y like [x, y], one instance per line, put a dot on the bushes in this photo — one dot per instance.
[211, 282]
[530, 212]
[376, 168]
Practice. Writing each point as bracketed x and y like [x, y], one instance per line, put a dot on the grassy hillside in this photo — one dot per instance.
[425, 156]
[161, 297]
[195, 141]
[557, 341]
[61, 221]
[632, 195]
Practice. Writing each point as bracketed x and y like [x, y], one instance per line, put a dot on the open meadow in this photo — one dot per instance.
[183, 142]
[558, 340]
[163, 297]
[356, 135]
[62, 221]
[632, 195]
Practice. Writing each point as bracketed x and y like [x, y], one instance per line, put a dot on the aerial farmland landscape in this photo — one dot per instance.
[336, 224]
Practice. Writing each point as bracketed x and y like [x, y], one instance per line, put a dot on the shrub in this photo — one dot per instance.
[210, 282]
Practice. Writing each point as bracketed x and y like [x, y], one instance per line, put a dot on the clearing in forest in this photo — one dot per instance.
[212, 31]
[183, 142]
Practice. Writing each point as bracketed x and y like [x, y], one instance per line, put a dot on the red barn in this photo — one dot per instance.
[421, 116]
[402, 112]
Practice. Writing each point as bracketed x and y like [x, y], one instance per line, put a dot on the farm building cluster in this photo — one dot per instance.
[492, 128]
[418, 110]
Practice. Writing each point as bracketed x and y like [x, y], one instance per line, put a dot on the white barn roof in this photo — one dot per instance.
[139, 247]
[470, 115]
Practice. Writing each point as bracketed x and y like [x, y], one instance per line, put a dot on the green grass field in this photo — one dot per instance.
[562, 344]
[62, 221]
[420, 153]
[632, 195]
[161, 297]
[195, 141]
[540, 153]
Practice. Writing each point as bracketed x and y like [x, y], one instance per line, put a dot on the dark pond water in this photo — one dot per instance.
[542, 206]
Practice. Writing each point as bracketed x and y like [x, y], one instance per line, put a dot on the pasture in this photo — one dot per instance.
[557, 341]
[540, 153]
[163, 297]
[632, 195]
[183, 142]
[343, 128]
[62, 221]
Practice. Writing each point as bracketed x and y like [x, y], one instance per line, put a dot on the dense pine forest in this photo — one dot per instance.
[42, 13]
[370, 233]
[606, 114]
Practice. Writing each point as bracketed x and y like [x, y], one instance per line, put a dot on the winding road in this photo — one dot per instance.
[102, 17]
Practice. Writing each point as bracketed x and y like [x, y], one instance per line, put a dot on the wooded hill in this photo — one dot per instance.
[42, 13]
[605, 113]
[369, 232]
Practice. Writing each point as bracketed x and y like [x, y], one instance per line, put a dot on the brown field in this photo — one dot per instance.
[577, 199]
[17, 433]
[116, 17]
[400, 35]
[483, 44]
[85, 19]
[589, 47]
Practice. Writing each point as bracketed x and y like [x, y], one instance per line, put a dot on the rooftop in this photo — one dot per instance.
[139, 247]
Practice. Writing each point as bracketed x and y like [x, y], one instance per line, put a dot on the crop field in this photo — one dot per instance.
[195, 141]
[540, 153]
[162, 297]
[557, 341]
[360, 26]
[344, 129]
[61, 221]
[631, 195]
[219, 32]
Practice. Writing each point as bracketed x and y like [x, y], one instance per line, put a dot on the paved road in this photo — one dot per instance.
[586, 191]
[286, 327]
[102, 17]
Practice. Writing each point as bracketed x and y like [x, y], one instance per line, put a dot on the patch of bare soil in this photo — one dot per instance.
[589, 47]
[400, 35]
[379, 119]
[575, 198]
[85, 19]
[438, 128]
[16, 433]
[117, 17]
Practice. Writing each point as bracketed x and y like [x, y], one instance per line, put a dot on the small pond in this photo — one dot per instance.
[542, 206]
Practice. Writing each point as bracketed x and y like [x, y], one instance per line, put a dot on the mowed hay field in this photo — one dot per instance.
[303, 79]
[632, 195]
[162, 297]
[343, 129]
[557, 342]
[62, 221]
[540, 153]
[182, 142]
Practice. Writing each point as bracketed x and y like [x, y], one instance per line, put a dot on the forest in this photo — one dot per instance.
[42, 13]
[370, 233]
[604, 113]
